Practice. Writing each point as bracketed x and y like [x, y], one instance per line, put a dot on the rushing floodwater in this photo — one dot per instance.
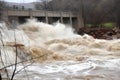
[55, 52]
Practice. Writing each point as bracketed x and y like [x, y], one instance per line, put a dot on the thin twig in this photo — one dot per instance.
[23, 68]
[1, 57]
[24, 61]
[15, 59]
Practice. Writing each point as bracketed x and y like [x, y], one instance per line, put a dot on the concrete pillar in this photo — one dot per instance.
[80, 22]
[70, 19]
[46, 17]
[61, 17]
[30, 14]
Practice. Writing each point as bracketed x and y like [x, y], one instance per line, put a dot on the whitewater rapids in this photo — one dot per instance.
[58, 53]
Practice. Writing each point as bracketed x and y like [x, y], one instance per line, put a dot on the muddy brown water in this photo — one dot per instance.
[62, 54]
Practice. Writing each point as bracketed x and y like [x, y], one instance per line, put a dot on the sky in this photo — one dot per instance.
[21, 1]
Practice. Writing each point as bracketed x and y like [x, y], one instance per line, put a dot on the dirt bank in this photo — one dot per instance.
[101, 33]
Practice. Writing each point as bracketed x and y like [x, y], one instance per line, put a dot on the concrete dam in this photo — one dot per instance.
[73, 19]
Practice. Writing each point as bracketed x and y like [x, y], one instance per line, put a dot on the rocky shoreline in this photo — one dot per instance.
[101, 33]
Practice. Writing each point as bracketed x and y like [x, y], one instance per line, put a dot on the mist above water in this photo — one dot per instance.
[63, 54]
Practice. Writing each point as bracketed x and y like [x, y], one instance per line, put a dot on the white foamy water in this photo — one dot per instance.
[60, 54]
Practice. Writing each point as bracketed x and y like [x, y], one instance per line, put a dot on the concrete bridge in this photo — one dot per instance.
[73, 19]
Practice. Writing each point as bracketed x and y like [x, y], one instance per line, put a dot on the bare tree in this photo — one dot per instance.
[95, 12]
[42, 5]
[117, 12]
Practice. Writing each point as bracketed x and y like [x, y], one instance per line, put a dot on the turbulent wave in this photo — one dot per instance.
[57, 42]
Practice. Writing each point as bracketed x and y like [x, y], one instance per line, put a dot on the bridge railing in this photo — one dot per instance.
[39, 13]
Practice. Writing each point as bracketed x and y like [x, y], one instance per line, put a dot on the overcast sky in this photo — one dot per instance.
[21, 1]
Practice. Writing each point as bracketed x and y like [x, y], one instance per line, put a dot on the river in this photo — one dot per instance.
[55, 52]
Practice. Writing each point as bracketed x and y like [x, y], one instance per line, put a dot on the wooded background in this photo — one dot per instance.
[94, 12]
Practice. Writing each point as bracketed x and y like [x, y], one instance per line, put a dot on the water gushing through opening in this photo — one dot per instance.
[58, 53]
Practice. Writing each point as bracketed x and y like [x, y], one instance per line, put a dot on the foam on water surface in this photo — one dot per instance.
[60, 54]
